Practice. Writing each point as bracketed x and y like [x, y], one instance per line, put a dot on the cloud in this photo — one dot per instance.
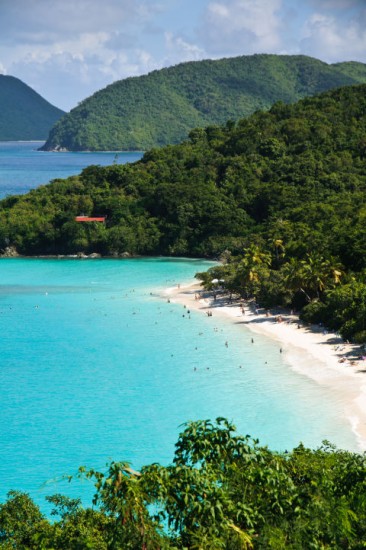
[336, 4]
[337, 38]
[69, 44]
[68, 49]
[247, 26]
[179, 48]
[27, 19]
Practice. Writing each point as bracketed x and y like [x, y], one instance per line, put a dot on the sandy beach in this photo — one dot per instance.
[309, 350]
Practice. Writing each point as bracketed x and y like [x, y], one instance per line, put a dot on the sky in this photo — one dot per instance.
[68, 49]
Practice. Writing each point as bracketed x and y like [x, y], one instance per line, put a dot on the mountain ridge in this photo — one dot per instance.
[160, 108]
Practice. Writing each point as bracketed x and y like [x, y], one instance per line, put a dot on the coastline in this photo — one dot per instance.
[309, 350]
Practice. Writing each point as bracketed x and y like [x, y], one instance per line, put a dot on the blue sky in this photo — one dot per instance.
[68, 49]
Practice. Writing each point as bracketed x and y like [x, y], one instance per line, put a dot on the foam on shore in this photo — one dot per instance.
[309, 350]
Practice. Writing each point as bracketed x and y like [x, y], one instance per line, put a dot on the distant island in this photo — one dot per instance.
[24, 114]
[162, 107]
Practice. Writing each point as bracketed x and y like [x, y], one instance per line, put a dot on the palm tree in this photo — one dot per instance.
[312, 275]
[252, 268]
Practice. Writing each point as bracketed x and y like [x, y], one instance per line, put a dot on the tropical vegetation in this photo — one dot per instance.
[222, 491]
[162, 107]
[24, 114]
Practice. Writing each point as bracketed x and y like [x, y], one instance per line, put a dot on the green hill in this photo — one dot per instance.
[162, 107]
[223, 184]
[24, 114]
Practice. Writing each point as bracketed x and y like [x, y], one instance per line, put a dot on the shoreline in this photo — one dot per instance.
[309, 350]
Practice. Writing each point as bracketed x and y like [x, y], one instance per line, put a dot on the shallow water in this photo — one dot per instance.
[96, 365]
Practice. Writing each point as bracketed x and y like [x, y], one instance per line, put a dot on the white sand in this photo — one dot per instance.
[309, 350]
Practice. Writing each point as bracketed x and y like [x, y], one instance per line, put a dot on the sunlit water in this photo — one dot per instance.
[96, 365]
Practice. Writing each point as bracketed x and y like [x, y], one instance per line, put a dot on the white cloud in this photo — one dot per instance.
[68, 49]
[69, 44]
[178, 49]
[335, 38]
[247, 26]
[25, 18]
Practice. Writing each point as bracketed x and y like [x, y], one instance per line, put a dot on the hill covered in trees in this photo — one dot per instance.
[24, 114]
[222, 491]
[282, 193]
[162, 107]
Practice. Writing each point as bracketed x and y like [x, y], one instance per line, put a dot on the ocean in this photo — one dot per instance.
[23, 167]
[97, 365]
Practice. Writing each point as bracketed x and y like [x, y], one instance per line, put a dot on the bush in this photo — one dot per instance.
[315, 312]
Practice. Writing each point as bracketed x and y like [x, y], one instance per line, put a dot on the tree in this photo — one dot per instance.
[251, 268]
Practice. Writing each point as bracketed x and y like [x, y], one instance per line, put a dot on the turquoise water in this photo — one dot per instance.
[96, 365]
[22, 167]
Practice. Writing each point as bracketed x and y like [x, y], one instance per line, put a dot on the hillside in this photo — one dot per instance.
[162, 107]
[222, 184]
[24, 114]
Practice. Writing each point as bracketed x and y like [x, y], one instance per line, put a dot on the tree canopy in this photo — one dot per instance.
[222, 491]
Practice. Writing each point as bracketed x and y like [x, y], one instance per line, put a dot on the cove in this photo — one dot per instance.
[97, 365]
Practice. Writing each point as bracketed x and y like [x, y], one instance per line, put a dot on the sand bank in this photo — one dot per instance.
[309, 350]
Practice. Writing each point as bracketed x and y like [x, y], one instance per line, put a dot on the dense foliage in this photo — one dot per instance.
[24, 114]
[222, 491]
[162, 107]
[282, 191]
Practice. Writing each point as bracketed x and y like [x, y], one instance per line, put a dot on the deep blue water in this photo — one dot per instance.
[22, 167]
[96, 365]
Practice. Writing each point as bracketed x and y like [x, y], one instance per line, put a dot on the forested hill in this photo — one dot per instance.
[304, 163]
[24, 114]
[163, 106]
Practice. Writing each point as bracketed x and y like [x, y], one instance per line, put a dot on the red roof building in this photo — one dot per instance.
[90, 219]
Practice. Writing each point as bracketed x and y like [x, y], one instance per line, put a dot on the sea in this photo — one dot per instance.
[23, 167]
[98, 365]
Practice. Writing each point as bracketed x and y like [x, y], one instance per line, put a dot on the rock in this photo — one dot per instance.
[10, 252]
